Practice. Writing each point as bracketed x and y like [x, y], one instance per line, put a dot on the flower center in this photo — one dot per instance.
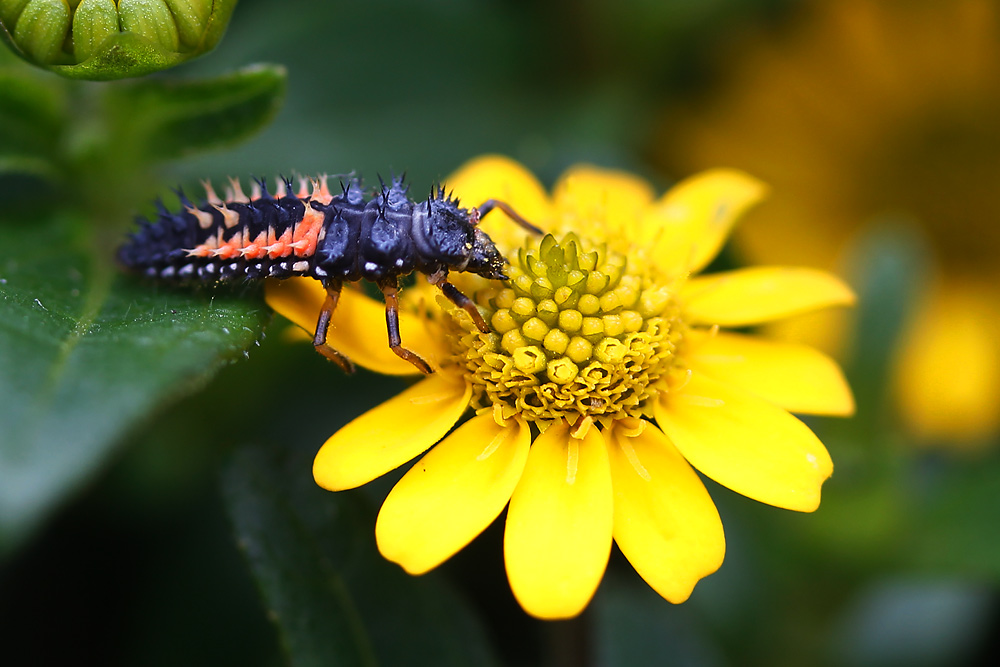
[575, 334]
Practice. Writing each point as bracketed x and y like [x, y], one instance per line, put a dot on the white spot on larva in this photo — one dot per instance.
[168, 272]
[300, 267]
[210, 268]
[399, 262]
[186, 270]
[320, 272]
[234, 266]
[273, 270]
[370, 266]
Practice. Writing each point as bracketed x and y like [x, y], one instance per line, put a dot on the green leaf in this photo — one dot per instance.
[32, 114]
[85, 353]
[955, 521]
[19, 164]
[161, 119]
[889, 264]
[632, 625]
[335, 600]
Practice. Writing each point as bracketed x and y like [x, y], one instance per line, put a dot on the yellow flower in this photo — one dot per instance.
[895, 108]
[605, 378]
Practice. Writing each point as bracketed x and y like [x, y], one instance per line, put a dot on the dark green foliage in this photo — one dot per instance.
[334, 600]
[85, 354]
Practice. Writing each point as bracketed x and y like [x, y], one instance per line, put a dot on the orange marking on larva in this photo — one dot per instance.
[200, 251]
[307, 232]
[232, 247]
[303, 188]
[281, 247]
[255, 249]
[255, 191]
[208, 248]
[217, 242]
[320, 191]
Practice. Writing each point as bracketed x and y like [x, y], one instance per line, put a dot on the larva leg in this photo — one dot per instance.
[323, 324]
[455, 295]
[491, 204]
[390, 292]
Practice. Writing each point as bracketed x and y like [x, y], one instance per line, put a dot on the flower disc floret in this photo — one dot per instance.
[575, 334]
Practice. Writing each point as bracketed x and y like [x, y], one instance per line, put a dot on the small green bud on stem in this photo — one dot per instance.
[109, 39]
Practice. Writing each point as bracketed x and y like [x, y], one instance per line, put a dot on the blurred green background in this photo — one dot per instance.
[132, 511]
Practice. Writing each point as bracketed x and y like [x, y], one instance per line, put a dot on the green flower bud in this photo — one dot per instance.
[109, 39]
[150, 19]
[191, 17]
[10, 10]
[93, 22]
[41, 29]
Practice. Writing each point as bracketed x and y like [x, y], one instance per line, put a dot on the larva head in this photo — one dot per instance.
[445, 234]
[486, 260]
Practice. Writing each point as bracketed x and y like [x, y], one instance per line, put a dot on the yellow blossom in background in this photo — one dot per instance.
[606, 380]
[868, 108]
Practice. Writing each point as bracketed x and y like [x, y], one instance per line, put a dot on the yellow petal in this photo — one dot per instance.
[761, 294]
[357, 328]
[388, 436]
[498, 177]
[558, 534]
[452, 494]
[745, 443]
[948, 377]
[795, 377]
[665, 522]
[689, 225]
[608, 201]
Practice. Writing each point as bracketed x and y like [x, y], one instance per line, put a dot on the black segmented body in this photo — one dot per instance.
[333, 238]
[312, 234]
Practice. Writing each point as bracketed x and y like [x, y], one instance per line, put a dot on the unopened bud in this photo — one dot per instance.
[41, 28]
[150, 19]
[109, 39]
[191, 17]
[93, 22]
